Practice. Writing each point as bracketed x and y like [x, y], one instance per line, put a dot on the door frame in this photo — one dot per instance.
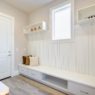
[12, 43]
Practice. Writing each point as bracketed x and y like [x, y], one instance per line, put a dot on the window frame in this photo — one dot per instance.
[60, 5]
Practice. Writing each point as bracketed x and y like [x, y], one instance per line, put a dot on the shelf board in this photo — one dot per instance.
[31, 32]
[86, 21]
[34, 28]
[55, 86]
[87, 14]
[55, 83]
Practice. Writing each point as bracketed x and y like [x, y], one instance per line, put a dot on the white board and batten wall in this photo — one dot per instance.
[76, 55]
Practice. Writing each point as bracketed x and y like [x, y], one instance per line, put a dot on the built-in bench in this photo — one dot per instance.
[68, 82]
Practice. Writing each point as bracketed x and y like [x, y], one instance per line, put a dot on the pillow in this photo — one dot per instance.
[34, 61]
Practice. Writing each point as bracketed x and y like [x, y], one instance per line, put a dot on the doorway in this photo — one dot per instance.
[6, 46]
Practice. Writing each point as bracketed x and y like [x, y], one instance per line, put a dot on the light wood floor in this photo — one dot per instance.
[21, 85]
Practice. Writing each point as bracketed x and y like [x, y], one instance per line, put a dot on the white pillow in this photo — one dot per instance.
[34, 61]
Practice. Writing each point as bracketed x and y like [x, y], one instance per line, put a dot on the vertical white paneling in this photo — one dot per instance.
[75, 56]
[92, 50]
[82, 50]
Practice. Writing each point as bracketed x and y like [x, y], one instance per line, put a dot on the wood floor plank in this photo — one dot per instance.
[21, 85]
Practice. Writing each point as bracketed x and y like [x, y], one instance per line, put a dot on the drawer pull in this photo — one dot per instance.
[84, 92]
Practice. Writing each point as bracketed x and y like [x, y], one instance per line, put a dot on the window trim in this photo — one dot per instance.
[72, 18]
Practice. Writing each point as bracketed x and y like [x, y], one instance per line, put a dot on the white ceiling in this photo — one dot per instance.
[28, 5]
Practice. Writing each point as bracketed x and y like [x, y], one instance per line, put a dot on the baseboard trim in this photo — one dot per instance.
[15, 73]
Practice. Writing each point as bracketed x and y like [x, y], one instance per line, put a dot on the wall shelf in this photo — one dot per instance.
[87, 14]
[38, 27]
[57, 82]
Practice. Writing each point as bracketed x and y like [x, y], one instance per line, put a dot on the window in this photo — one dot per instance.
[61, 22]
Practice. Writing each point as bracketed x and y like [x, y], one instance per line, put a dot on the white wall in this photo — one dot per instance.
[77, 55]
[21, 20]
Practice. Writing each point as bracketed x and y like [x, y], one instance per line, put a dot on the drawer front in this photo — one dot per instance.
[21, 70]
[31, 73]
[79, 89]
[36, 75]
[25, 71]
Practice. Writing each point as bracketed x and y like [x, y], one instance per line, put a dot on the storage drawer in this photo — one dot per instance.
[79, 89]
[24, 71]
[21, 69]
[30, 73]
[37, 75]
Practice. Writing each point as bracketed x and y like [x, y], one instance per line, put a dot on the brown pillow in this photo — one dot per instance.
[26, 60]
